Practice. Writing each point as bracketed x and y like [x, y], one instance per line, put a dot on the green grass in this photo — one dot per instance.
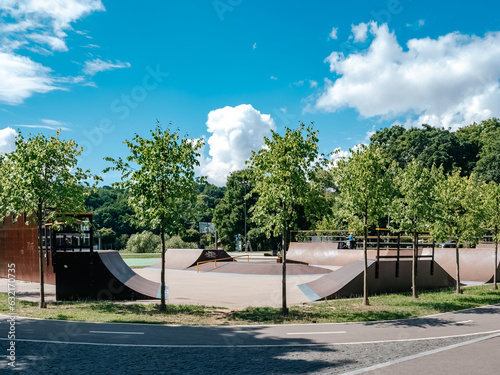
[139, 255]
[384, 307]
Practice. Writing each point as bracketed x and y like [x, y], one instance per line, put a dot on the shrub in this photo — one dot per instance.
[176, 242]
[145, 242]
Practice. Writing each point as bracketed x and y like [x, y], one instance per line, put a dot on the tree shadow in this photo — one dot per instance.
[173, 350]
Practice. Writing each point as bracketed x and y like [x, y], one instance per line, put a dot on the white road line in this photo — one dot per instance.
[415, 356]
[463, 322]
[118, 333]
[496, 333]
[314, 333]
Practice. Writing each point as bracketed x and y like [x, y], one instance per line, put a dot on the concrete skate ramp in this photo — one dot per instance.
[181, 259]
[244, 268]
[348, 281]
[328, 253]
[475, 264]
[100, 275]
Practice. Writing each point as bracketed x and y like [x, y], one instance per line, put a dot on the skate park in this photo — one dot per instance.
[318, 268]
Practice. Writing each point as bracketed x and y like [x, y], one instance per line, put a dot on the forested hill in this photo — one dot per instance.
[475, 148]
[112, 213]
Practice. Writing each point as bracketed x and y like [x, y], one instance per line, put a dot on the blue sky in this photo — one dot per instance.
[231, 70]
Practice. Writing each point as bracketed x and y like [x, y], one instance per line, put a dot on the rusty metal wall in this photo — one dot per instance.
[19, 245]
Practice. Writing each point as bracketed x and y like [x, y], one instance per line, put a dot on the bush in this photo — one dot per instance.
[191, 235]
[176, 242]
[145, 242]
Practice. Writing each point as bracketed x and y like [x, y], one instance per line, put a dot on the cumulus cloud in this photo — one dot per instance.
[360, 32]
[450, 81]
[92, 67]
[39, 26]
[333, 33]
[7, 140]
[236, 131]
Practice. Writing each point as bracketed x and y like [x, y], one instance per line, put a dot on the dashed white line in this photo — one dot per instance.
[314, 333]
[118, 332]
[463, 322]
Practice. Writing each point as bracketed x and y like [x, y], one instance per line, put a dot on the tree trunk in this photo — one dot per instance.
[459, 291]
[366, 302]
[163, 306]
[284, 247]
[39, 217]
[414, 265]
[495, 286]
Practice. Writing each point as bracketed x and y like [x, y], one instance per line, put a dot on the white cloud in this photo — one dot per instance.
[333, 33]
[38, 26]
[360, 32]
[274, 78]
[254, 46]
[20, 77]
[421, 23]
[313, 83]
[95, 66]
[52, 16]
[53, 122]
[450, 81]
[298, 83]
[37, 126]
[7, 140]
[236, 131]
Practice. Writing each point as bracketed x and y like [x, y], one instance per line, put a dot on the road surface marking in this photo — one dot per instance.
[249, 345]
[118, 333]
[463, 322]
[420, 355]
[314, 333]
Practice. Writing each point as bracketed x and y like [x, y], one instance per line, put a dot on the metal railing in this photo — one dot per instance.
[215, 261]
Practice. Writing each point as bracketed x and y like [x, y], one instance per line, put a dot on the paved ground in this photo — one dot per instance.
[465, 342]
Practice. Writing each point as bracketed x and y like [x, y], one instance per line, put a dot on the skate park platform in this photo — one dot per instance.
[476, 265]
[193, 277]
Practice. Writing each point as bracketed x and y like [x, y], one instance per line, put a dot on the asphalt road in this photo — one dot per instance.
[465, 342]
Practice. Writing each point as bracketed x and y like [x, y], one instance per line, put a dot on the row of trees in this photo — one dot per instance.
[416, 198]
[287, 185]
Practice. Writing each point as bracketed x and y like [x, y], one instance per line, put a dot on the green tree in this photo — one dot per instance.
[483, 150]
[111, 210]
[284, 175]
[144, 242]
[161, 175]
[459, 212]
[429, 145]
[107, 236]
[43, 182]
[413, 207]
[492, 218]
[363, 189]
[231, 216]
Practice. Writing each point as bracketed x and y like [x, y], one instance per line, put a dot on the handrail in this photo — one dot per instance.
[215, 261]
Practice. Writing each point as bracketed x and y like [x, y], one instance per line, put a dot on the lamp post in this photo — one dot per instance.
[245, 183]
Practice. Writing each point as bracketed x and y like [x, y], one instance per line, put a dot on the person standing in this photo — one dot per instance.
[352, 242]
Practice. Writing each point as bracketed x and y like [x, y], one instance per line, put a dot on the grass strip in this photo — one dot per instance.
[383, 307]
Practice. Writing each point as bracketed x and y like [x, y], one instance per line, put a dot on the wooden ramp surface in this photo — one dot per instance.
[391, 277]
[181, 259]
[114, 263]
